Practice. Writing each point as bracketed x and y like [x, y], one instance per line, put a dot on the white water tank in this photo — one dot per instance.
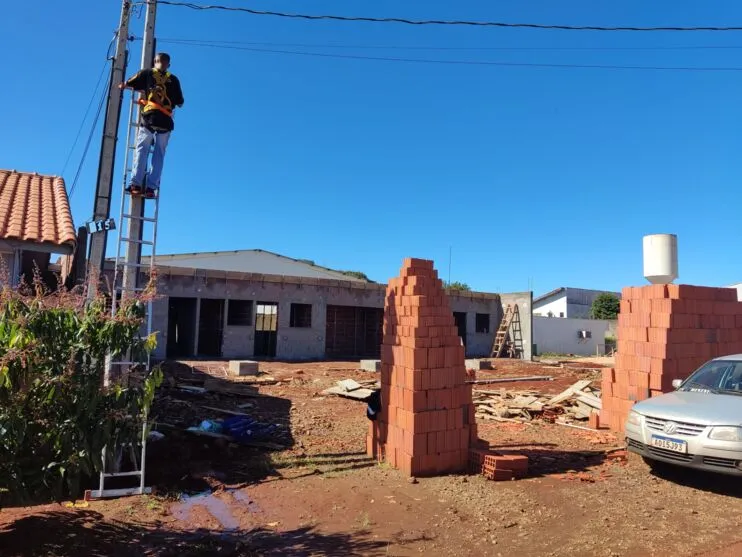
[661, 258]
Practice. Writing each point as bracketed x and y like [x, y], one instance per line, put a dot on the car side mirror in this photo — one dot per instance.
[676, 383]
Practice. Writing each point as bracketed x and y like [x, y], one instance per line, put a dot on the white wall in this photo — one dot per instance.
[739, 290]
[558, 307]
[559, 336]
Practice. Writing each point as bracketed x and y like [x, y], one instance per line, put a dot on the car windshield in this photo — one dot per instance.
[718, 376]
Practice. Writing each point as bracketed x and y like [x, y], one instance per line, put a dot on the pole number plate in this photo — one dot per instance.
[103, 225]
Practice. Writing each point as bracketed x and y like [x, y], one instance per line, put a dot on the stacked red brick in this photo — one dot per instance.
[427, 422]
[494, 465]
[665, 332]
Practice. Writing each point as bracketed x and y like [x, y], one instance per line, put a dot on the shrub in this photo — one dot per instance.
[605, 306]
[55, 414]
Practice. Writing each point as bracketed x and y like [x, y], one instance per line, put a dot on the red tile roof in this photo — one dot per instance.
[35, 208]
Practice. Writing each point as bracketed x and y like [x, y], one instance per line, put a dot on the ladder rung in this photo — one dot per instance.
[121, 474]
[132, 241]
[100, 494]
[134, 217]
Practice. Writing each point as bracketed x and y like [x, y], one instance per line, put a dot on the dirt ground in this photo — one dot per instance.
[321, 495]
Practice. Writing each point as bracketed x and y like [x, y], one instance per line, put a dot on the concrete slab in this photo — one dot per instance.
[477, 364]
[241, 368]
[371, 365]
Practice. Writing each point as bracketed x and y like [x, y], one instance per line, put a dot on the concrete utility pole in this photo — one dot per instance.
[102, 205]
[135, 227]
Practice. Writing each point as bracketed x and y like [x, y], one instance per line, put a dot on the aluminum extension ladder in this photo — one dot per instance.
[117, 369]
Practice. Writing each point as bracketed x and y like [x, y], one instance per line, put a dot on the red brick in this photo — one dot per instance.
[727, 321]
[660, 320]
[594, 420]
[637, 394]
[436, 358]
[609, 374]
[656, 291]
[663, 366]
[432, 443]
[621, 391]
[454, 355]
[660, 382]
[606, 389]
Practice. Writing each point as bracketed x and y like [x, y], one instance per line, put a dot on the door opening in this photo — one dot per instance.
[266, 329]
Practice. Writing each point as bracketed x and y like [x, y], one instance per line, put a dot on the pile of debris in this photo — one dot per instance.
[349, 388]
[578, 402]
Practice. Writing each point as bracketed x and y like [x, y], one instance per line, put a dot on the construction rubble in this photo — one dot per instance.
[577, 403]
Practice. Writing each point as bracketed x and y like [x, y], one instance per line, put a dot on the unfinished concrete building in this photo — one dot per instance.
[257, 304]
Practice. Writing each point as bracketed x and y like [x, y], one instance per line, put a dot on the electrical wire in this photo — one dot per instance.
[175, 40]
[90, 104]
[85, 117]
[90, 138]
[200, 7]
[469, 62]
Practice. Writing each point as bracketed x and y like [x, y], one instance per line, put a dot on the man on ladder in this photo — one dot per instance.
[162, 93]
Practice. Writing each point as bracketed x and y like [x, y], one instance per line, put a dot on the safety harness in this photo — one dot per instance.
[160, 81]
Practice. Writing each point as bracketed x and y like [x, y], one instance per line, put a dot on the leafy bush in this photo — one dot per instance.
[605, 306]
[55, 414]
[456, 285]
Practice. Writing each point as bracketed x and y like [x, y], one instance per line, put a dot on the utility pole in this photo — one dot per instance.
[102, 204]
[135, 227]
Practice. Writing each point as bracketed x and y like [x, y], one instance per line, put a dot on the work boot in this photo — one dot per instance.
[134, 189]
[150, 193]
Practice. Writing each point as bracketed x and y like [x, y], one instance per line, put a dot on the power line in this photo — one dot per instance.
[436, 22]
[90, 105]
[90, 138]
[85, 117]
[175, 40]
[465, 62]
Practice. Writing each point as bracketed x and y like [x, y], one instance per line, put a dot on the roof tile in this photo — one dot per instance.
[35, 208]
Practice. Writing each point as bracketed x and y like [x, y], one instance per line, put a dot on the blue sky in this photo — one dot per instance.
[533, 176]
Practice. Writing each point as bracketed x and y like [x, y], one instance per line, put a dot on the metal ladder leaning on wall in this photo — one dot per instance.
[118, 369]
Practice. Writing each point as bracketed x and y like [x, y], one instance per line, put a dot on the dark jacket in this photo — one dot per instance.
[161, 88]
[374, 405]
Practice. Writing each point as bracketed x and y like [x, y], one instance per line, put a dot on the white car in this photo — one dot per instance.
[699, 425]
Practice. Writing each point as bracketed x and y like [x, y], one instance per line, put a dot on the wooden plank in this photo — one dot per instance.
[348, 385]
[359, 394]
[566, 394]
[511, 379]
[589, 399]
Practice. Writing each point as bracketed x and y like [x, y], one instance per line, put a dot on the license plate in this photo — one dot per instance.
[669, 444]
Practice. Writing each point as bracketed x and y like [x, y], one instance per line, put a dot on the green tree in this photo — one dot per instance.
[356, 274]
[456, 285]
[55, 415]
[605, 306]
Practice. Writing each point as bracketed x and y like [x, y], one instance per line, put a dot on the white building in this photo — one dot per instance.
[738, 286]
[574, 303]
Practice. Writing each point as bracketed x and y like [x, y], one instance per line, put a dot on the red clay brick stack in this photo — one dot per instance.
[427, 425]
[427, 419]
[665, 332]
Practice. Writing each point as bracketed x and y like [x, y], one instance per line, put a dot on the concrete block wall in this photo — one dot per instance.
[552, 334]
[309, 343]
[666, 332]
[293, 343]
